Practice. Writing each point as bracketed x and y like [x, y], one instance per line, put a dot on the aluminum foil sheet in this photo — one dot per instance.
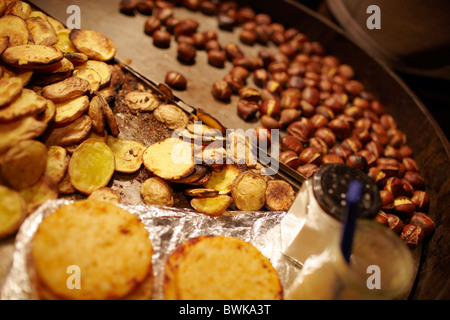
[168, 228]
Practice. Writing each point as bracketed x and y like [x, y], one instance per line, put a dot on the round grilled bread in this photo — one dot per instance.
[220, 268]
[108, 244]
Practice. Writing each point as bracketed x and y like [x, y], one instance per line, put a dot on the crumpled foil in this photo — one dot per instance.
[168, 228]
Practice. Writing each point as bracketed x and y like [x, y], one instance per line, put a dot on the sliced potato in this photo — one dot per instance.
[12, 211]
[90, 75]
[57, 163]
[15, 29]
[172, 116]
[50, 78]
[62, 66]
[210, 121]
[95, 112]
[198, 173]
[24, 163]
[105, 194]
[170, 159]
[279, 195]
[65, 186]
[248, 191]
[156, 191]
[223, 180]
[71, 110]
[211, 155]
[69, 133]
[58, 26]
[22, 129]
[94, 44]
[28, 103]
[10, 89]
[141, 101]
[66, 89]
[41, 31]
[48, 114]
[91, 166]
[39, 193]
[201, 193]
[203, 180]
[76, 57]
[18, 8]
[202, 129]
[31, 55]
[127, 154]
[214, 206]
[4, 42]
[64, 44]
[102, 68]
[110, 118]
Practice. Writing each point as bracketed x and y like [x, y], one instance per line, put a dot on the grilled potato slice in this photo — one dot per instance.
[22, 129]
[102, 68]
[18, 8]
[279, 195]
[66, 89]
[90, 75]
[62, 66]
[94, 44]
[58, 26]
[127, 154]
[71, 110]
[249, 191]
[170, 159]
[141, 101]
[10, 89]
[95, 112]
[24, 163]
[48, 114]
[65, 186]
[222, 180]
[201, 193]
[213, 206]
[28, 103]
[210, 121]
[105, 194]
[45, 189]
[57, 163]
[172, 116]
[31, 55]
[64, 44]
[12, 211]
[156, 191]
[69, 133]
[41, 31]
[110, 117]
[15, 30]
[91, 166]
[198, 173]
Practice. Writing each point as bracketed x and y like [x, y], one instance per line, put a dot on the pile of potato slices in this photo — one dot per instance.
[59, 135]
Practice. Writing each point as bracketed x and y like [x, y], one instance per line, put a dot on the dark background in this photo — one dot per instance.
[433, 92]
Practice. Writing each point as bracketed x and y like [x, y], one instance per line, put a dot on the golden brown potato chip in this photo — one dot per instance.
[213, 206]
[58, 26]
[28, 103]
[172, 116]
[12, 211]
[105, 194]
[10, 89]
[67, 89]
[127, 154]
[94, 44]
[48, 114]
[90, 75]
[31, 55]
[95, 112]
[57, 163]
[170, 159]
[279, 195]
[91, 166]
[24, 163]
[15, 29]
[156, 191]
[69, 133]
[41, 31]
[201, 193]
[22, 129]
[223, 180]
[76, 57]
[62, 66]
[248, 191]
[210, 121]
[39, 193]
[71, 110]
[102, 68]
[141, 101]
[110, 118]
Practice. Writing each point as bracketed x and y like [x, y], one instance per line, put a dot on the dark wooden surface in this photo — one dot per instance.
[430, 146]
